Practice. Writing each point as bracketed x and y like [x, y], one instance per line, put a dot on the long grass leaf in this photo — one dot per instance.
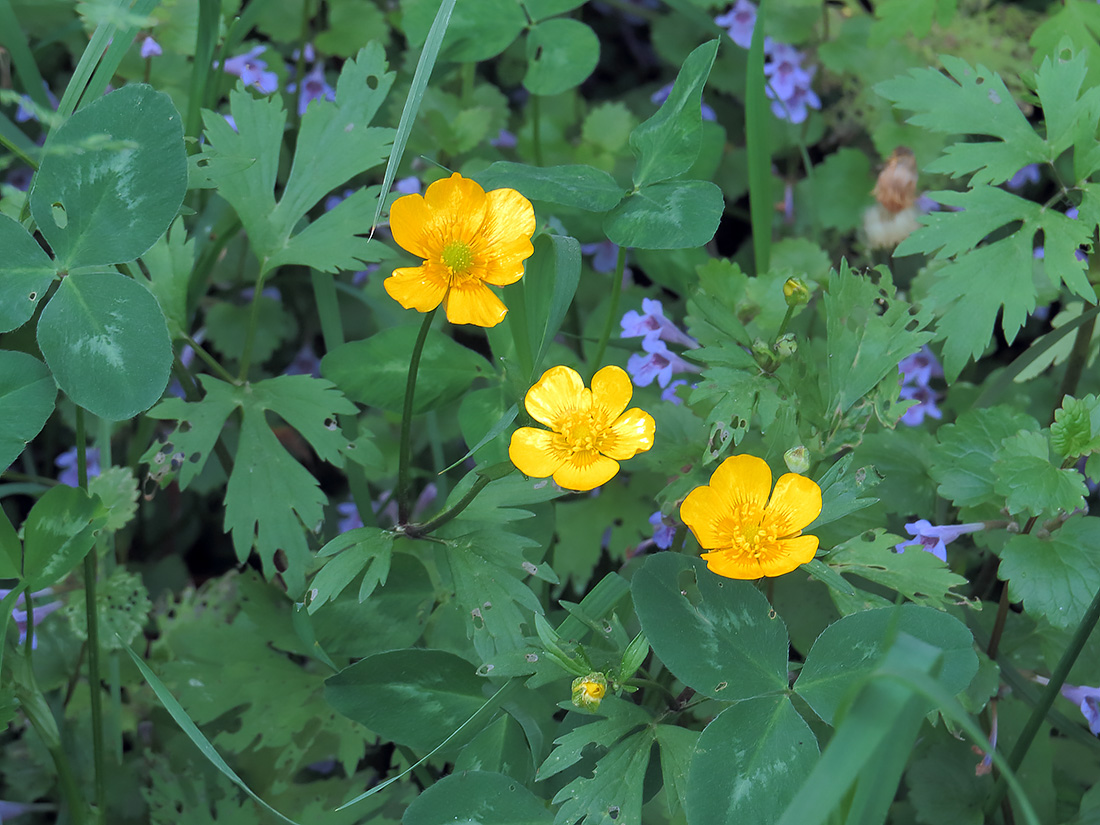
[13, 39]
[423, 72]
[121, 43]
[176, 711]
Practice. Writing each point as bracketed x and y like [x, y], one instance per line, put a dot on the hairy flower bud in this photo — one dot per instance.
[797, 459]
[588, 691]
[796, 292]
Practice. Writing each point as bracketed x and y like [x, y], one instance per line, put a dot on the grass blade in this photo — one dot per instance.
[757, 123]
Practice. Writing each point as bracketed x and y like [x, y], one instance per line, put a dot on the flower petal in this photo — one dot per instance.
[795, 503]
[586, 471]
[506, 235]
[701, 511]
[450, 209]
[743, 480]
[418, 288]
[474, 303]
[790, 553]
[631, 433]
[556, 395]
[533, 453]
[733, 565]
[611, 391]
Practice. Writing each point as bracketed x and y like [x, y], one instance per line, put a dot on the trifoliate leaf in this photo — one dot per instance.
[1030, 483]
[272, 500]
[118, 490]
[364, 548]
[335, 143]
[123, 605]
[1055, 577]
[915, 574]
[963, 464]
[1076, 428]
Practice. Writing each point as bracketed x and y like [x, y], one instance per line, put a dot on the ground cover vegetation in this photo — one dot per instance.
[539, 412]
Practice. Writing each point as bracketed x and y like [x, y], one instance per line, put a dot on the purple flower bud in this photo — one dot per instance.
[739, 22]
[663, 530]
[150, 48]
[314, 88]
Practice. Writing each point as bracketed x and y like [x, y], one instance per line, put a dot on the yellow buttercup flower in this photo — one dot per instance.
[468, 238]
[588, 691]
[590, 432]
[748, 535]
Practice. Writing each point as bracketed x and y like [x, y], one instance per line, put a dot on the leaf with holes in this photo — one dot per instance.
[27, 396]
[112, 178]
[335, 143]
[123, 606]
[26, 274]
[718, 636]
[272, 501]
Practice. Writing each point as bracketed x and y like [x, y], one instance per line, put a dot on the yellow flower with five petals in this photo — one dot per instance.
[589, 432]
[468, 238]
[748, 534]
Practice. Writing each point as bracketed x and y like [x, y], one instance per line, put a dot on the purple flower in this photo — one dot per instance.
[793, 108]
[605, 255]
[739, 22]
[305, 362]
[332, 201]
[22, 617]
[661, 95]
[660, 363]
[1085, 697]
[232, 123]
[310, 53]
[314, 88]
[504, 140]
[925, 204]
[926, 405]
[785, 70]
[654, 321]
[935, 539]
[349, 516]
[10, 810]
[663, 530]
[252, 71]
[669, 393]
[920, 367]
[1029, 174]
[66, 462]
[150, 48]
[408, 186]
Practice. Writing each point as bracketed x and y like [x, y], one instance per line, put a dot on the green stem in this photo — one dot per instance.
[536, 137]
[206, 33]
[418, 530]
[613, 310]
[1002, 607]
[784, 324]
[253, 324]
[468, 75]
[210, 361]
[1046, 700]
[90, 572]
[34, 707]
[405, 448]
[300, 63]
[1078, 357]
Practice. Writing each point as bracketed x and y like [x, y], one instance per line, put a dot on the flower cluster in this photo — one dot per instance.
[917, 371]
[656, 331]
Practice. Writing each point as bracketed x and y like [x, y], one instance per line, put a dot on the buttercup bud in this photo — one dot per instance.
[588, 691]
[796, 292]
[785, 346]
[797, 459]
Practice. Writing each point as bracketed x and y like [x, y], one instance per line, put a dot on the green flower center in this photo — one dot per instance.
[458, 257]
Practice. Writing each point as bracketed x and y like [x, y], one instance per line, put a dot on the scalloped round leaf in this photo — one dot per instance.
[766, 751]
[718, 636]
[477, 796]
[413, 697]
[561, 54]
[849, 649]
[1055, 577]
[674, 214]
[112, 178]
[106, 342]
[374, 371]
[27, 396]
[118, 490]
[28, 273]
[123, 605]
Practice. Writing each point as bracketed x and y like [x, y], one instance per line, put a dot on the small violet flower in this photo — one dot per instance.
[739, 22]
[1085, 697]
[504, 140]
[314, 88]
[41, 611]
[27, 109]
[926, 405]
[253, 71]
[663, 530]
[785, 69]
[605, 255]
[66, 462]
[935, 539]
[794, 108]
[669, 393]
[659, 364]
[920, 367]
[150, 48]
[408, 186]
[1029, 174]
[654, 321]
